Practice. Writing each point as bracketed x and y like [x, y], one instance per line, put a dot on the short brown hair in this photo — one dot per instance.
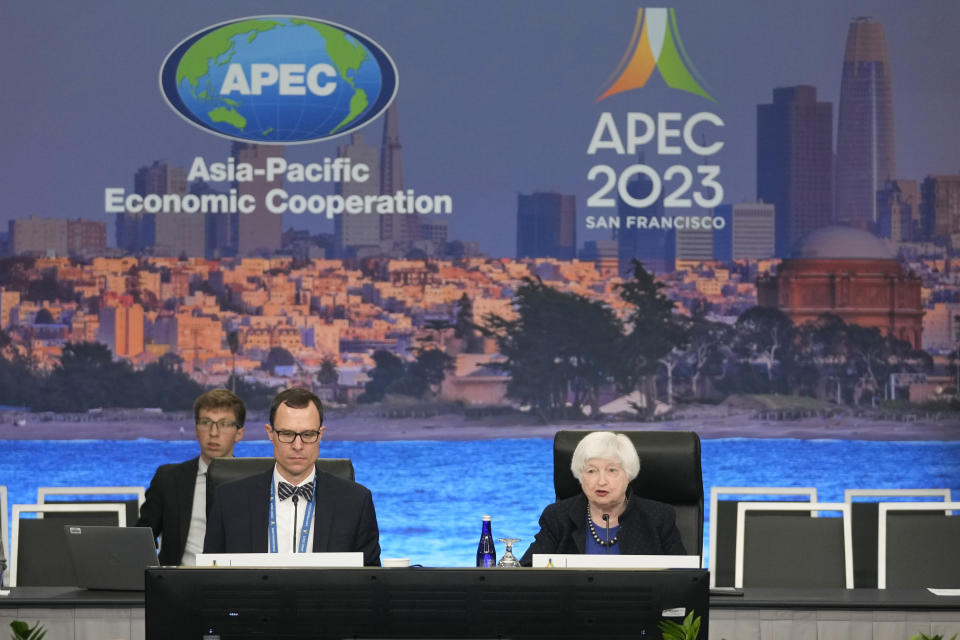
[220, 399]
[295, 398]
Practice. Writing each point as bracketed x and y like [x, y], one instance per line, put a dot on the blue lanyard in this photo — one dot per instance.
[307, 518]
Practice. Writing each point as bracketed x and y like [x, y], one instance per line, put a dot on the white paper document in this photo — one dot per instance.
[585, 561]
[322, 560]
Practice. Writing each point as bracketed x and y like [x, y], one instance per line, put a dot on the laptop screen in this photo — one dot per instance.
[111, 558]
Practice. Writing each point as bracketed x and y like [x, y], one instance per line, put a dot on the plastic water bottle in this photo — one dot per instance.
[486, 552]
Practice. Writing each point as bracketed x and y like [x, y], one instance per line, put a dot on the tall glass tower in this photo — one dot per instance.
[865, 145]
[795, 163]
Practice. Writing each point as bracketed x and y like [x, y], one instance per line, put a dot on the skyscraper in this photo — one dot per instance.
[940, 208]
[794, 162]
[258, 233]
[754, 231]
[433, 236]
[654, 247]
[546, 226]
[397, 229]
[220, 228]
[694, 244]
[359, 234]
[749, 233]
[86, 237]
[865, 144]
[177, 233]
[57, 237]
[137, 232]
[162, 234]
[38, 236]
[898, 211]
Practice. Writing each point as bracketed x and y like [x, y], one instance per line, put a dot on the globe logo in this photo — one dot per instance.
[278, 79]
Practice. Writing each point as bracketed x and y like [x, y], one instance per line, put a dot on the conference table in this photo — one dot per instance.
[755, 613]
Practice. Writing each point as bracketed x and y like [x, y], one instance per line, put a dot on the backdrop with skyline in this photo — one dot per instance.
[494, 99]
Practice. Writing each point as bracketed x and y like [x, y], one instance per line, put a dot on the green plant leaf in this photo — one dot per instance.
[689, 629]
[671, 630]
[22, 631]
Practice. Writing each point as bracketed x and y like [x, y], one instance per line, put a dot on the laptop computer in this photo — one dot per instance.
[111, 558]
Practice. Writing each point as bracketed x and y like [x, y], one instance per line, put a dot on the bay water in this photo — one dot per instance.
[430, 495]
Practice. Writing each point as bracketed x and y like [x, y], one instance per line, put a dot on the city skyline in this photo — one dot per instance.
[468, 144]
[280, 321]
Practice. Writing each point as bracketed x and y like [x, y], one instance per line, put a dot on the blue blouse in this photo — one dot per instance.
[594, 547]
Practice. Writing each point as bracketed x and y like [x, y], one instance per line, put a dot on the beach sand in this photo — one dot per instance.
[365, 424]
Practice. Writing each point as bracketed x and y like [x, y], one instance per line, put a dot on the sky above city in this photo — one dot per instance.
[495, 98]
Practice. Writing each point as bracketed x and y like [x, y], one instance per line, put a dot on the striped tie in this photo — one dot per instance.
[285, 490]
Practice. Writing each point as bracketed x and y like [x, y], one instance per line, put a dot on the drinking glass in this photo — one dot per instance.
[508, 560]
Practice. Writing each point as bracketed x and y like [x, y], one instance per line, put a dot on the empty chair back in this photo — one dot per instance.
[723, 523]
[75, 495]
[38, 553]
[918, 545]
[785, 551]
[669, 472]
[224, 470]
[864, 517]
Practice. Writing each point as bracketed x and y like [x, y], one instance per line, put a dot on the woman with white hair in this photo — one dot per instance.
[605, 463]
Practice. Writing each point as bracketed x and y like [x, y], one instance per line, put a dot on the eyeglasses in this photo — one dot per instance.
[306, 437]
[206, 424]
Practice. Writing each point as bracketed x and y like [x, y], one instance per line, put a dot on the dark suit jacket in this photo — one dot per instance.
[344, 519]
[167, 507]
[647, 527]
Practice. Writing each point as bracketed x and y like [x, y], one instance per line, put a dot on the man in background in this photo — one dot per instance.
[176, 501]
[293, 507]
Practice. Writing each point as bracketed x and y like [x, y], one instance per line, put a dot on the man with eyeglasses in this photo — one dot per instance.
[175, 505]
[294, 507]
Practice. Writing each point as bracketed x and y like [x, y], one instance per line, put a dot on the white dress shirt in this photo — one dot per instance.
[198, 518]
[285, 512]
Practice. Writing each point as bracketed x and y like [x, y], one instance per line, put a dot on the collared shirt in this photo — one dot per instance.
[286, 528]
[198, 518]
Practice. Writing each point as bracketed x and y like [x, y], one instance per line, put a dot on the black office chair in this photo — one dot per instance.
[223, 470]
[669, 472]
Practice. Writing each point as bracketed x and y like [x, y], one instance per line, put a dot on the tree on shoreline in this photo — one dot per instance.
[653, 330]
[559, 347]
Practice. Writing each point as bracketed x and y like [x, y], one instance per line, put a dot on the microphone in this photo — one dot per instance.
[606, 522]
[295, 500]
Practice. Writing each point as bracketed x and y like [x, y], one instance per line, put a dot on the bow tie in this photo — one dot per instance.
[285, 490]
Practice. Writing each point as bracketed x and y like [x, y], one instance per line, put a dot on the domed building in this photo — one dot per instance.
[849, 273]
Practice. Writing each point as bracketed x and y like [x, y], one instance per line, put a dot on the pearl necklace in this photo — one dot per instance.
[593, 531]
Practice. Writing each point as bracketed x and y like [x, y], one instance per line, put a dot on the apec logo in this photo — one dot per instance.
[655, 44]
[278, 79]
